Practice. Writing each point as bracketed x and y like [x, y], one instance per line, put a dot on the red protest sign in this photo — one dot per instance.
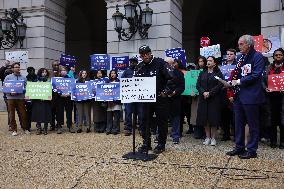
[276, 82]
[258, 43]
[204, 41]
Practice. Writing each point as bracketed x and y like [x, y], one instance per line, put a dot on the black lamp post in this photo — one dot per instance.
[138, 20]
[12, 29]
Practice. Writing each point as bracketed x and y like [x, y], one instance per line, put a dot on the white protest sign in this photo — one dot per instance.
[138, 89]
[18, 56]
[213, 50]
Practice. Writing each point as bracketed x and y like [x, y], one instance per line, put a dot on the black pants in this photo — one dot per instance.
[227, 121]
[29, 114]
[275, 113]
[161, 108]
[64, 103]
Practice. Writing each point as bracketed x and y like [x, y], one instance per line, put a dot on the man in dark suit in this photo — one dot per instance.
[249, 95]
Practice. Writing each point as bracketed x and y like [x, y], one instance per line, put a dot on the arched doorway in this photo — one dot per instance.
[223, 21]
[86, 30]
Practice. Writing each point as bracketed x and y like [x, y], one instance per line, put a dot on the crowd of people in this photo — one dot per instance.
[245, 101]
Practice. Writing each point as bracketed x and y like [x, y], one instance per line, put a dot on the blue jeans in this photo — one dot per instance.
[132, 108]
[113, 120]
[175, 123]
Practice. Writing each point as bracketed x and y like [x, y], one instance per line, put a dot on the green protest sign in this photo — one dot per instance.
[190, 82]
[39, 90]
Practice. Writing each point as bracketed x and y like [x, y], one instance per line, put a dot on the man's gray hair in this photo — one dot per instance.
[248, 39]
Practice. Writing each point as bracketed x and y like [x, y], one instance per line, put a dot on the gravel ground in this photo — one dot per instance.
[91, 160]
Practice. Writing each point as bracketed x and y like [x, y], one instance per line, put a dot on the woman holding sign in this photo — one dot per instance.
[275, 98]
[84, 106]
[41, 109]
[209, 106]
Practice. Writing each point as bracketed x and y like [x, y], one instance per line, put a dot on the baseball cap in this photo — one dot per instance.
[144, 49]
[133, 58]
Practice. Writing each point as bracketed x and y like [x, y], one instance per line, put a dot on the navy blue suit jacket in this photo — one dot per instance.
[251, 90]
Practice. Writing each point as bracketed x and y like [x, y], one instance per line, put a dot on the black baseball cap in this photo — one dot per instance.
[133, 58]
[144, 49]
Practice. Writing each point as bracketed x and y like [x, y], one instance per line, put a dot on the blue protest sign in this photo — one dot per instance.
[93, 85]
[176, 53]
[108, 92]
[226, 70]
[15, 86]
[62, 85]
[120, 62]
[67, 60]
[100, 62]
[81, 91]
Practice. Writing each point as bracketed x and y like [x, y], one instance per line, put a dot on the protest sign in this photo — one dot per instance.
[258, 43]
[62, 85]
[190, 82]
[39, 90]
[226, 70]
[138, 89]
[15, 86]
[81, 91]
[100, 62]
[176, 53]
[213, 50]
[120, 62]
[68, 60]
[108, 92]
[93, 85]
[276, 82]
[18, 56]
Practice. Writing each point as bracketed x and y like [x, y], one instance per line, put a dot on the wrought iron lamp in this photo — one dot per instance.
[138, 20]
[12, 29]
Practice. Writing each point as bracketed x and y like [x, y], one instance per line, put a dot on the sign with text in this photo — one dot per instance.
[81, 91]
[15, 86]
[190, 82]
[226, 70]
[18, 56]
[108, 92]
[39, 90]
[276, 82]
[68, 60]
[204, 41]
[258, 43]
[213, 50]
[176, 53]
[100, 62]
[120, 62]
[138, 89]
[62, 85]
[93, 85]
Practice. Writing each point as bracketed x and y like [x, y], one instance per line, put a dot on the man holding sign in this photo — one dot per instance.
[16, 99]
[150, 67]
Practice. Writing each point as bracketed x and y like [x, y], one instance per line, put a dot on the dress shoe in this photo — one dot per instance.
[273, 145]
[159, 149]
[143, 148]
[281, 146]
[235, 152]
[247, 155]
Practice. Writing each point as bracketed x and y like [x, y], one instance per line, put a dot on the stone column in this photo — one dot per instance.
[45, 37]
[165, 32]
[272, 19]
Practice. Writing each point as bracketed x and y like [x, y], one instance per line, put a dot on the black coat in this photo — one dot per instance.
[209, 110]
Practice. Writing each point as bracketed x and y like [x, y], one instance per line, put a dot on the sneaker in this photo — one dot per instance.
[27, 132]
[207, 141]
[38, 131]
[71, 130]
[213, 142]
[127, 133]
[59, 130]
[143, 148]
[88, 130]
[45, 132]
[79, 131]
[176, 141]
[14, 133]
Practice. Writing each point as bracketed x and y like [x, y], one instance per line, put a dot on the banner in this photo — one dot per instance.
[81, 91]
[190, 82]
[213, 50]
[108, 92]
[15, 86]
[176, 53]
[39, 90]
[226, 70]
[62, 85]
[276, 82]
[93, 85]
[138, 89]
[100, 62]
[68, 60]
[18, 56]
[120, 62]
